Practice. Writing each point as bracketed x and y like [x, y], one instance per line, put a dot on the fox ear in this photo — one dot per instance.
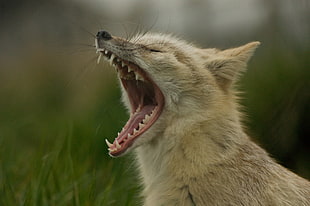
[227, 65]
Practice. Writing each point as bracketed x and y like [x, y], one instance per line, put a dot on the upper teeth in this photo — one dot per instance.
[99, 57]
[118, 146]
[118, 64]
[139, 77]
[108, 143]
[112, 58]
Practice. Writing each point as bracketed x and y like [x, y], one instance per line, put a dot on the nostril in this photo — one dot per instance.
[104, 35]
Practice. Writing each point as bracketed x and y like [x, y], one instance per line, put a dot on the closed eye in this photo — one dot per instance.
[154, 50]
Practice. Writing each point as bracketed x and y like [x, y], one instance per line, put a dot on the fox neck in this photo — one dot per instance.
[188, 146]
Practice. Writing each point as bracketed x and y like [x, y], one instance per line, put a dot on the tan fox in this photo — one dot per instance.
[186, 129]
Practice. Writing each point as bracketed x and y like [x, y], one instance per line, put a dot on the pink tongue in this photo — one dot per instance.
[134, 121]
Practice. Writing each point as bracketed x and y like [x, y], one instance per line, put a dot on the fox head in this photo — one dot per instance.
[169, 83]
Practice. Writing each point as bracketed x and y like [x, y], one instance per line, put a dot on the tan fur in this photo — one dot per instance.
[197, 152]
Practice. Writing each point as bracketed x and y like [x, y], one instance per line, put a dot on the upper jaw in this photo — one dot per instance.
[120, 48]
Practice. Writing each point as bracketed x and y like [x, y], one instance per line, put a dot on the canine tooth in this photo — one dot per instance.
[129, 70]
[118, 134]
[135, 131]
[99, 57]
[108, 143]
[112, 58]
[118, 146]
[105, 51]
[123, 64]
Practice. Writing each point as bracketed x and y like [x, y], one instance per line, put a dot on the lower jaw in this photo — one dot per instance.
[139, 122]
[124, 141]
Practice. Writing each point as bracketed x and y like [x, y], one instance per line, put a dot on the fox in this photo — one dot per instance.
[186, 128]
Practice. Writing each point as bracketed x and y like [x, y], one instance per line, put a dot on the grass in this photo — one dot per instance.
[68, 168]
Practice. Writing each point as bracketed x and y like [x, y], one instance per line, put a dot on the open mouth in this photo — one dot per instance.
[145, 97]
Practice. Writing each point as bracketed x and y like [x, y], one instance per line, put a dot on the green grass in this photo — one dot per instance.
[67, 166]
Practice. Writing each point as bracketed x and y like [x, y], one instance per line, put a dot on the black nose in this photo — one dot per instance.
[104, 35]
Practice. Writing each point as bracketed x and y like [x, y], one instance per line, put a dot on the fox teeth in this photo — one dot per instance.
[99, 57]
[123, 64]
[108, 143]
[135, 131]
[129, 69]
[146, 118]
[106, 52]
[139, 77]
[118, 146]
[112, 58]
[141, 126]
[138, 109]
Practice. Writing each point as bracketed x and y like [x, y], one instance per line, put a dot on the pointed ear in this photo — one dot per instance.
[227, 65]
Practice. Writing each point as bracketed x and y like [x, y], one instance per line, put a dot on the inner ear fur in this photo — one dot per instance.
[228, 65]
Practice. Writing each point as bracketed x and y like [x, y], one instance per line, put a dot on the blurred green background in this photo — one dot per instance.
[57, 105]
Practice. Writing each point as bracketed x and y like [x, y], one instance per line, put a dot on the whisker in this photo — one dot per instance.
[81, 51]
[82, 44]
[84, 29]
[82, 71]
[126, 32]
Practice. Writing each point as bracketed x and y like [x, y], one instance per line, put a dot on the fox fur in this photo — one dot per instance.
[197, 152]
